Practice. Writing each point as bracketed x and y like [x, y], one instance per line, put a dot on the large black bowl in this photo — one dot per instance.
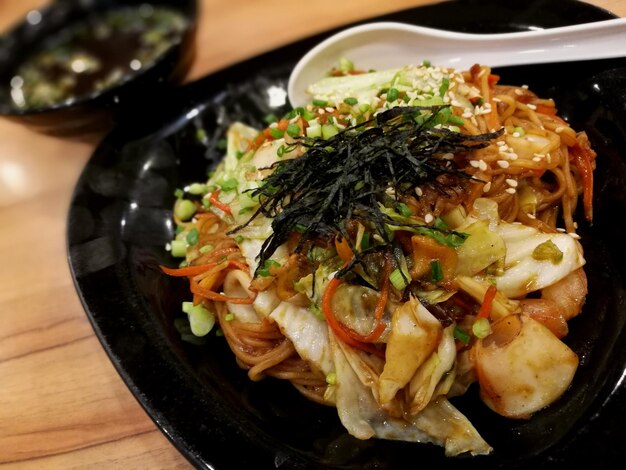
[94, 112]
[120, 220]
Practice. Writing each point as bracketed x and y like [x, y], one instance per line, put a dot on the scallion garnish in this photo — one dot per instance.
[436, 272]
[193, 236]
[320, 103]
[351, 101]
[293, 130]
[229, 184]
[397, 279]
[392, 95]
[276, 133]
[264, 271]
[461, 335]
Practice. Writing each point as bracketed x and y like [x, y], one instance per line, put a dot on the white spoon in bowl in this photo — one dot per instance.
[386, 45]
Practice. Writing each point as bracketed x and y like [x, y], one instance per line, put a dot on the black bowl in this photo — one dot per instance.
[93, 112]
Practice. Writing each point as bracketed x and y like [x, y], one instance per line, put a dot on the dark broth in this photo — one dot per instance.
[95, 54]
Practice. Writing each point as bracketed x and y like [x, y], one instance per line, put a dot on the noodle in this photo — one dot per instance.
[440, 256]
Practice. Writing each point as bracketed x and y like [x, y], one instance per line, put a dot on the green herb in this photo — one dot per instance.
[239, 154]
[206, 249]
[426, 63]
[179, 193]
[201, 135]
[404, 210]
[229, 317]
[350, 101]
[239, 239]
[317, 102]
[320, 189]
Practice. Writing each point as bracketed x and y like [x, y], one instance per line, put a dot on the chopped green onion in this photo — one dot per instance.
[270, 118]
[459, 121]
[313, 132]
[184, 209]
[229, 317]
[328, 130]
[392, 95]
[265, 270]
[365, 241]
[206, 249]
[301, 228]
[239, 239]
[178, 248]
[346, 65]
[317, 102]
[197, 188]
[548, 251]
[406, 98]
[201, 135]
[245, 210]
[193, 236]
[520, 131]
[331, 378]
[426, 63]
[481, 328]
[201, 320]
[229, 184]
[456, 129]
[179, 228]
[276, 133]
[179, 193]
[461, 335]
[397, 279]
[183, 264]
[436, 272]
[351, 101]
[239, 154]
[293, 130]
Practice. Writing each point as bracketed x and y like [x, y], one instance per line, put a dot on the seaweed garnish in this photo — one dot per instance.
[347, 177]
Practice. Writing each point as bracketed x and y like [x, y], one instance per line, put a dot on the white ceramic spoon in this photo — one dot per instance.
[386, 45]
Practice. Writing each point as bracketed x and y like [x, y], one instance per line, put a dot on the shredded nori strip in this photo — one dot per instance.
[346, 177]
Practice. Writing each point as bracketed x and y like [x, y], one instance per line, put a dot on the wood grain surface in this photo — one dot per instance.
[62, 404]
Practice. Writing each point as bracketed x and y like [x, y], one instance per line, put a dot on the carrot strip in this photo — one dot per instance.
[485, 308]
[219, 204]
[216, 296]
[582, 160]
[345, 334]
[189, 271]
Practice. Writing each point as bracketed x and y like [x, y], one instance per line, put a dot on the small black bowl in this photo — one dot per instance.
[93, 112]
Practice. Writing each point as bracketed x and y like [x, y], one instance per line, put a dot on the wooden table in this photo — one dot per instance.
[62, 404]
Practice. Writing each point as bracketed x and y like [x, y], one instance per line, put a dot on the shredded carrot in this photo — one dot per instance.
[492, 79]
[216, 296]
[485, 308]
[545, 109]
[213, 199]
[348, 335]
[189, 271]
[583, 161]
[343, 249]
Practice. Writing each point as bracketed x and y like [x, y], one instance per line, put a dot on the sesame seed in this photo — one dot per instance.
[511, 182]
[525, 87]
[482, 165]
[418, 191]
[467, 115]
[428, 218]
[516, 134]
[574, 235]
[321, 111]
[447, 156]
[559, 229]
[503, 164]
[474, 163]
[519, 92]
[536, 159]
[511, 190]
[487, 187]
[531, 106]
[531, 216]
[497, 100]
[501, 143]
[559, 129]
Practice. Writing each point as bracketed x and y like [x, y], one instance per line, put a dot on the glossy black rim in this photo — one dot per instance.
[119, 223]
